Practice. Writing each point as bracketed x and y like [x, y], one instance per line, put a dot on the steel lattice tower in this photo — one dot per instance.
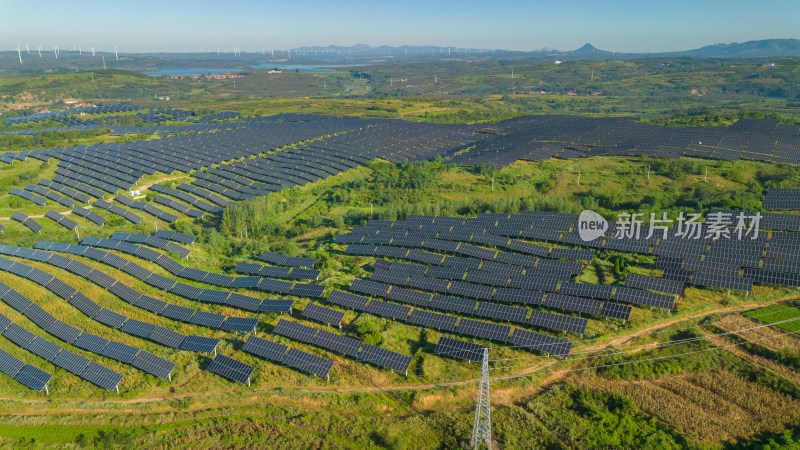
[482, 429]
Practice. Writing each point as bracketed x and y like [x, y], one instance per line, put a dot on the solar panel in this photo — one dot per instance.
[277, 286]
[152, 364]
[90, 342]
[110, 318]
[200, 344]
[385, 309]
[64, 331]
[17, 301]
[33, 378]
[4, 322]
[160, 281]
[323, 314]
[404, 295]
[166, 337]
[348, 300]
[337, 343]
[276, 306]
[85, 305]
[600, 291]
[308, 290]
[521, 296]
[540, 342]
[9, 364]
[615, 311]
[265, 349]
[177, 312]
[459, 349]
[137, 328]
[296, 331]
[43, 348]
[101, 376]
[309, 363]
[213, 296]
[61, 289]
[207, 319]
[636, 280]
[645, 298]
[120, 352]
[243, 302]
[570, 303]
[70, 361]
[502, 312]
[484, 330]
[385, 358]
[433, 320]
[243, 324]
[19, 335]
[231, 369]
[454, 304]
[557, 322]
[39, 316]
[150, 304]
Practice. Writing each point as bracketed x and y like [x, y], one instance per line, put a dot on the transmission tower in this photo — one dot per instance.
[482, 430]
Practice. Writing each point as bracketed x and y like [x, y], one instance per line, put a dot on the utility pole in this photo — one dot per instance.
[492, 184]
[648, 172]
[482, 429]
[579, 177]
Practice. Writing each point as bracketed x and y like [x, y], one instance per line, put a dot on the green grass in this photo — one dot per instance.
[778, 313]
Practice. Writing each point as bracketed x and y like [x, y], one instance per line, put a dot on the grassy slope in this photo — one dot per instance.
[197, 398]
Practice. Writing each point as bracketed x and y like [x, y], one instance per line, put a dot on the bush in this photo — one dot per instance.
[370, 332]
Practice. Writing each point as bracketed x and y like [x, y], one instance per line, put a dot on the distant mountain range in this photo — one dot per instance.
[769, 48]
[360, 54]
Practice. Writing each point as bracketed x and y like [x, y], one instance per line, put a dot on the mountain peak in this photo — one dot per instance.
[588, 48]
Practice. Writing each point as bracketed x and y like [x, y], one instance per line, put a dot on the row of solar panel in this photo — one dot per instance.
[68, 360]
[444, 322]
[232, 299]
[27, 221]
[345, 345]
[282, 287]
[104, 316]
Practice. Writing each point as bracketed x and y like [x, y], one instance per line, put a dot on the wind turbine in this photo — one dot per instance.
[40, 51]
[115, 52]
[19, 54]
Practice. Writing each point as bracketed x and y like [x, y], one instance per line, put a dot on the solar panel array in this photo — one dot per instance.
[27, 221]
[231, 369]
[782, 198]
[223, 297]
[35, 378]
[61, 220]
[129, 295]
[342, 344]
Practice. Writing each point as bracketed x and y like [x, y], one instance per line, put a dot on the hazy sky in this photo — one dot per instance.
[180, 25]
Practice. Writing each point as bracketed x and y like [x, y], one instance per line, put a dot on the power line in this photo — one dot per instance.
[605, 352]
[642, 360]
[671, 343]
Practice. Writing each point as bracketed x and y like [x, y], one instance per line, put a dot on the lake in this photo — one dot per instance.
[187, 71]
[201, 71]
[298, 67]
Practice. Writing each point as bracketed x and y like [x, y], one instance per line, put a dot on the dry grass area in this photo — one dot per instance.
[706, 407]
[765, 336]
